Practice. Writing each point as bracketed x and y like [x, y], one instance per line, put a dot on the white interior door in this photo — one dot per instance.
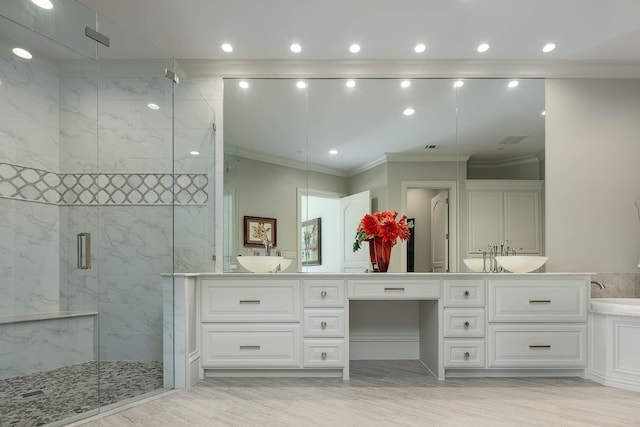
[352, 209]
[440, 232]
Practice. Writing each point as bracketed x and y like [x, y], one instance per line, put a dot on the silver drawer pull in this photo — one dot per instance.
[533, 347]
[249, 301]
[466, 324]
[466, 355]
[539, 301]
[323, 294]
[323, 325]
[249, 347]
[323, 355]
[394, 289]
[466, 293]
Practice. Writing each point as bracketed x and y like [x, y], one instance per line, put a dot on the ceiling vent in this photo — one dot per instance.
[430, 147]
[510, 140]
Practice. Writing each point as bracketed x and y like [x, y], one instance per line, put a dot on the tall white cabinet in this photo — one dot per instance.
[500, 210]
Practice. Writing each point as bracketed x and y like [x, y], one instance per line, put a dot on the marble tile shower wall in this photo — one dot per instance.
[50, 153]
[29, 242]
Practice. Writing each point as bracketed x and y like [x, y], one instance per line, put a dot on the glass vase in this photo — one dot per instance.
[380, 254]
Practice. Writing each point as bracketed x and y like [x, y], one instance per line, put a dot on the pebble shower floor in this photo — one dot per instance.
[45, 397]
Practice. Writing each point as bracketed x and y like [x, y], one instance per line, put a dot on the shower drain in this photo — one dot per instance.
[32, 393]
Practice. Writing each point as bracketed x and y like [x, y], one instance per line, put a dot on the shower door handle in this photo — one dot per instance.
[84, 251]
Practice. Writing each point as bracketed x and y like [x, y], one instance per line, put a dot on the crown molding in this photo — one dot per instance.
[518, 161]
[410, 69]
[294, 164]
[425, 157]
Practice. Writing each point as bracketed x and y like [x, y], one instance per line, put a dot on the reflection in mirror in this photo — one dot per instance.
[283, 166]
[501, 137]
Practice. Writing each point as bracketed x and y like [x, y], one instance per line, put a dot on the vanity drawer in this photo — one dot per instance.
[238, 301]
[394, 289]
[537, 301]
[323, 293]
[323, 353]
[464, 353]
[537, 346]
[464, 322]
[250, 345]
[323, 323]
[464, 293]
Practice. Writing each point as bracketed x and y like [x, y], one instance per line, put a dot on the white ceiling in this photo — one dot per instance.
[593, 37]
[590, 30]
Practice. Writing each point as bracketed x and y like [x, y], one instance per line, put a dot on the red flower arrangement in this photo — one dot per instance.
[384, 225]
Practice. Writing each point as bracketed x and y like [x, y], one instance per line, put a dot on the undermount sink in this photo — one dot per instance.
[261, 264]
[521, 263]
[475, 264]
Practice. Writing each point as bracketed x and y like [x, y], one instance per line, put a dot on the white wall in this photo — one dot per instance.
[269, 190]
[592, 175]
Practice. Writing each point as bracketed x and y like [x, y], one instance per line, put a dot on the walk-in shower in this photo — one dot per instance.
[97, 175]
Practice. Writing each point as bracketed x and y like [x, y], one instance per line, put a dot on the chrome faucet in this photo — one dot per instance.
[267, 246]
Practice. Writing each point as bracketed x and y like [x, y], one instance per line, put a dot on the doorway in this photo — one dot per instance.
[433, 242]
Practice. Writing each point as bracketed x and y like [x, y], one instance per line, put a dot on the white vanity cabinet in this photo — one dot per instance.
[504, 210]
[537, 323]
[250, 323]
[270, 324]
[324, 323]
[464, 323]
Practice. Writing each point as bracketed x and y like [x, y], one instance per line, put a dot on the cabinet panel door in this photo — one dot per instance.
[522, 220]
[464, 353]
[250, 301]
[537, 346]
[250, 345]
[486, 217]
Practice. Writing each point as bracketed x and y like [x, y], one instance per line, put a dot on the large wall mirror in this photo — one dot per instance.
[463, 158]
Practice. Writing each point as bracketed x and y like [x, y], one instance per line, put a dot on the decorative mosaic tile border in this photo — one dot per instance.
[22, 183]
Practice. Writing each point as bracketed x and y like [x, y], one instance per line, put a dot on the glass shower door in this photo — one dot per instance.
[134, 232]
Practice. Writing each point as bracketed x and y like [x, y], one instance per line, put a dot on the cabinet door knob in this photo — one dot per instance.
[466, 324]
[323, 355]
[323, 294]
[323, 325]
[466, 293]
[466, 355]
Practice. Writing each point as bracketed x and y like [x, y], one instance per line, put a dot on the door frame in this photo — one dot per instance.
[452, 187]
[304, 191]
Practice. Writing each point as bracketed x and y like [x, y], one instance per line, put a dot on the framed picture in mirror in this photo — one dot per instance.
[312, 242]
[257, 229]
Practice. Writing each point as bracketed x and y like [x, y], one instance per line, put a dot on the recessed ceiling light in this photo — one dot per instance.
[301, 84]
[409, 111]
[351, 83]
[243, 84]
[483, 47]
[544, 113]
[405, 83]
[226, 47]
[458, 83]
[153, 106]
[194, 153]
[513, 83]
[295, 48]
[420, 47]
[548, 47]
[354, 48]
[333, 151]
[45, 4]
[22, 53]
